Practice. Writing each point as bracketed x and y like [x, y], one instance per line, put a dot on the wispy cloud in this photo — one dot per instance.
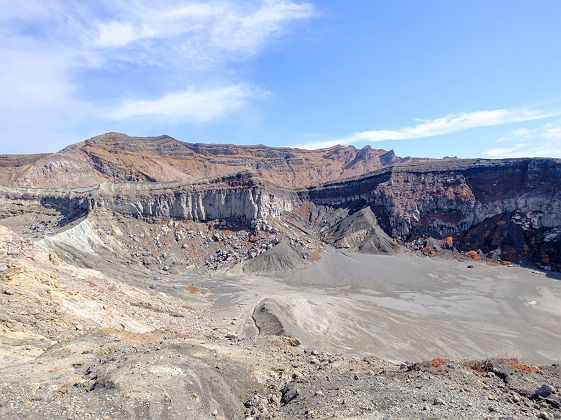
[188, 105]
[136, 30]
[444, 125]
[53, 50]
[539, 142]
[207, 31]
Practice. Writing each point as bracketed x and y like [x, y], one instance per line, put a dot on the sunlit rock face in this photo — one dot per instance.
[116, 157]
[510, 206]
[235, 197]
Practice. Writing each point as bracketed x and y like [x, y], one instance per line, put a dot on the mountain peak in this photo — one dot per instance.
[118, 157]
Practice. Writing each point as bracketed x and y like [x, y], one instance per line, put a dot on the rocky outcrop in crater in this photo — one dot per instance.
[451, 198]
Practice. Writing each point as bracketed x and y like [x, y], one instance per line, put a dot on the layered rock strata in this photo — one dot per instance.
[236, 197]
[509, 206]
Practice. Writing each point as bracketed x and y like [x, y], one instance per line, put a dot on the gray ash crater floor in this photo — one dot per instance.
[406, 307]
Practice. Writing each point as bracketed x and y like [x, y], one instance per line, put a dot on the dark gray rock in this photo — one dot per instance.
[543, 391]
[289, 393]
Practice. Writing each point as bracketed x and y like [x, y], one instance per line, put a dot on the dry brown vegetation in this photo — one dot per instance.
[437, 362]
[512, 362]
[191, 288]
[473, 255]
[429, 252]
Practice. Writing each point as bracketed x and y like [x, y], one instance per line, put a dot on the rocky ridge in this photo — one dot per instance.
[454, 202]
[116, 157]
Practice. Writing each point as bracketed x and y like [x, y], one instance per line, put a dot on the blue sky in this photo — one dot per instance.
[472, 78]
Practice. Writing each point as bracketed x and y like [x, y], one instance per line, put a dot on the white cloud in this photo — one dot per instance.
[147, 22]
[195, 33]
[247, 34]
[444, 125]
[116, 34]
[540, 142]
[188, 105]
[57, 55]
[146, 32]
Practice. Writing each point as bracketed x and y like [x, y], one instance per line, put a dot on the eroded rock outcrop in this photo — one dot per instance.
[446, 197]
[511, 207]
[450, 198]
[360, 231]
[237, 197]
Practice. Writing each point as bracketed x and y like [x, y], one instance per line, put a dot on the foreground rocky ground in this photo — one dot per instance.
[108, 339]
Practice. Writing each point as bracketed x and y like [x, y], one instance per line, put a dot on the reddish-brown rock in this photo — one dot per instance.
[118, 157]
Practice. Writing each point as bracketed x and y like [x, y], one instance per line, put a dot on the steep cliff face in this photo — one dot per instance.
[236, 197]
[447, 197]
[509, 208]
[248, 201]
[454, 198]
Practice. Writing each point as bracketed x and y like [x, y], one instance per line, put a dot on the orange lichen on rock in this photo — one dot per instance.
[286, 341]
[465, 192]
[510, 362]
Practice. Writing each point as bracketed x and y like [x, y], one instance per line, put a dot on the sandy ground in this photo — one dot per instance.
[99, 337]
[398, 307]
[406, 307]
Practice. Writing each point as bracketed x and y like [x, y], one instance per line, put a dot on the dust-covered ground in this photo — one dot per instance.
[411, 307]
[91, 327]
